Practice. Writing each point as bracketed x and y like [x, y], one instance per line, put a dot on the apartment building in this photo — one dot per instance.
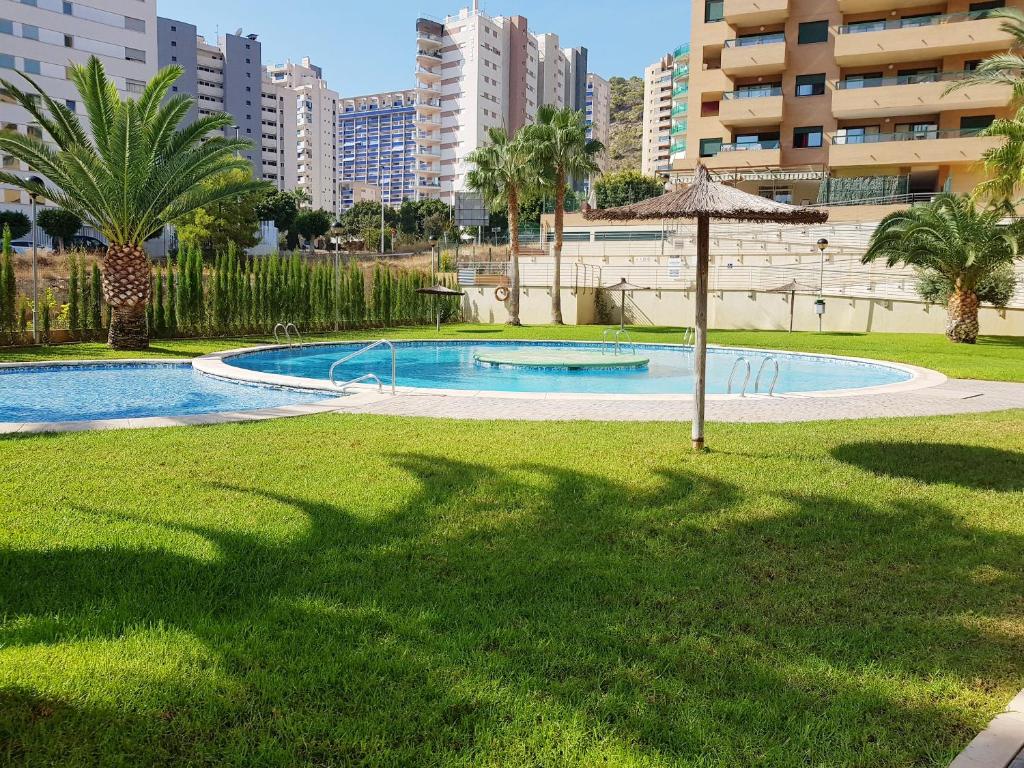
[316, 126]
[475, 72]
[225, 76]
[665, 110]
[378, 147]
[842, 101]
[42, 37]
[598, 111]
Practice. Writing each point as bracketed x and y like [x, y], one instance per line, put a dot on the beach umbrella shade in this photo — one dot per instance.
[791, 288]
[623, 286]
[439, 290]
[704, 200]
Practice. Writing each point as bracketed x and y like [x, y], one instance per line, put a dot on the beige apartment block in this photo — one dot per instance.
[842, 101]
[598, 112]
[41, 38]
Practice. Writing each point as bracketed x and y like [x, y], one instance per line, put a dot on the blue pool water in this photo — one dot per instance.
[450, 365]
[81, 393]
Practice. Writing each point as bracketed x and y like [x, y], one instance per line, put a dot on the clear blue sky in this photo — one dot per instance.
[367, 46]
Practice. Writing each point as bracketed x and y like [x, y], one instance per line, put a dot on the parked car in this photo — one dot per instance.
[22, 246]
[85, 243]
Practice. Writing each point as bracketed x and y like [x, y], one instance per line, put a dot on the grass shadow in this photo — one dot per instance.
[969, 466]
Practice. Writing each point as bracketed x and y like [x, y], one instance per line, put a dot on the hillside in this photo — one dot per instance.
[627, 115]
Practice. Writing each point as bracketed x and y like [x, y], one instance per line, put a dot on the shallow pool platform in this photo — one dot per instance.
[562, 358]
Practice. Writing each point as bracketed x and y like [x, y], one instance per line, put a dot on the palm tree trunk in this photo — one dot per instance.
[126, 287]
[513, 237]
[962, 321]
[556, 288]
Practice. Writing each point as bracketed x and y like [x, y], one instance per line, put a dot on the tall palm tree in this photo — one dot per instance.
[953, 237]
[505, 171]
[560, 139]
[131, 173]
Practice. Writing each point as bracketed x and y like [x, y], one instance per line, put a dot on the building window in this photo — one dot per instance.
[970, 66]
[30, 32]
[68, 9]
[812, 32]
[134, 54]
[135, 25]
[6, 61]
[69, 41]
[32, 67]
[70, 104]
[975, 123]
[714, 10]
[710, 147]
[810, 85]
[6, 27]
[807, 137]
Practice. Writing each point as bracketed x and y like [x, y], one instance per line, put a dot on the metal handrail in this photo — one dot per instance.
[364, 377]
[287, 333]
[732, 373]
[357, 353]
[689, 337]
[619, 332]
[775, 376]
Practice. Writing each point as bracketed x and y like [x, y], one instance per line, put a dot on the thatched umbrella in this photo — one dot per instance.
[624, 286]
[439, 290]
[791, 288]
[705, 200]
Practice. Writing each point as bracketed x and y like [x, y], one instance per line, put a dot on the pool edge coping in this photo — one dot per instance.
[214, 364]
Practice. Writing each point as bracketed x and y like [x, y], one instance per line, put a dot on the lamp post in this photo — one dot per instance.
[236, 128]
[35, 200]
[819, 305]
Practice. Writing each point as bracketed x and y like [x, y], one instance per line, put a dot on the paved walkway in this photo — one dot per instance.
[955, 396]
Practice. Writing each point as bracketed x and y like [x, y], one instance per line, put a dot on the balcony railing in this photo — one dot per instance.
[680, 90]
[678, 129]
[750, 146]
[679, 109]
[677, 148]
[680, 72]
[431, 54]
[922, 135]
[754, 93]
[914, 21]
[768, 39]
[682, 50]
[879, 82]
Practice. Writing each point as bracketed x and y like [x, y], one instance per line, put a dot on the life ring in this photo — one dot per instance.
[501, 293]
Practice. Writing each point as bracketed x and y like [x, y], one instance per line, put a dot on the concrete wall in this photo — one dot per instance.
[740, 310]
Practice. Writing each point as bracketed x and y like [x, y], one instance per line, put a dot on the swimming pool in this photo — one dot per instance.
[452, 365]
[62, 393]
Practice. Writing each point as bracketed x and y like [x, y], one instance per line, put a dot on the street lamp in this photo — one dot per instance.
[819, 305]
[35, 200]
[237, 129]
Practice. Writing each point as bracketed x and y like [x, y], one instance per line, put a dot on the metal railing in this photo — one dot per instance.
[619, 334]
[768, 39]
[775, 376]
[925, 134]
[367, 376]
[732, 374]
[911, 22]
[287, 329]
[761, 91]
[750, 146]
[915, 79]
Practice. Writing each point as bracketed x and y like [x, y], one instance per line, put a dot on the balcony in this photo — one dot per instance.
[681, 92]
[873, 6]
[910, 148]
[714, 82]
[913, 95]
[760, 55]
[429, 76]
[746, 155]
[751, 108]
[682, 51]
[428, 58]
[428, 106]
[428, 41]
[681, 73]
[427, 153]
[907, 40]
[751, 13]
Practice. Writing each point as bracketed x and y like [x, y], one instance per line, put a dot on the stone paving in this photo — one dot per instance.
[954, 396]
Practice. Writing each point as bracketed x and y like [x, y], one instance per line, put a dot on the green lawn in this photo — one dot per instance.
[355, 590]
[999, 358]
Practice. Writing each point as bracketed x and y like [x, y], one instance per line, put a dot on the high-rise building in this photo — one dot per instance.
[475, 72]
[598, 111]
[842, 100]
[378, 146]
[316, 121]
[278, 128]
[225, 76]
[666, 84]
[42, 37]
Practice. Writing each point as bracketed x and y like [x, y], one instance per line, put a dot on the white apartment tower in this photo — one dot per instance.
[42, 37]
[315, 131]
[475, 72]
[278, 129]
[598, 112]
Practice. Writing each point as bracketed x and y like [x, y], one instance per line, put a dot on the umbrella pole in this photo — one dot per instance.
[700, 343]
[622, 312]
[792, 302]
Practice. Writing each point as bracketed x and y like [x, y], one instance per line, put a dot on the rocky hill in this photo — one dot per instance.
[627, 115]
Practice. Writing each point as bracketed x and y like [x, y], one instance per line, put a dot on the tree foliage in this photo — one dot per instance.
[626, 188]
[18, 223]
[228, 221]
[59, 224]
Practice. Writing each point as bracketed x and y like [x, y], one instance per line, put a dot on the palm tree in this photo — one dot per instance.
[1004, 165]
[505, 171]
[1001, 68]
[953, 237]
[560, 138]
[131, 173]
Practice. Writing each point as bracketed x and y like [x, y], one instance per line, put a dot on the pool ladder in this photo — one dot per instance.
[757, 379]
[689, 337]
[619, 334]
[366, 376]
[287, 328]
